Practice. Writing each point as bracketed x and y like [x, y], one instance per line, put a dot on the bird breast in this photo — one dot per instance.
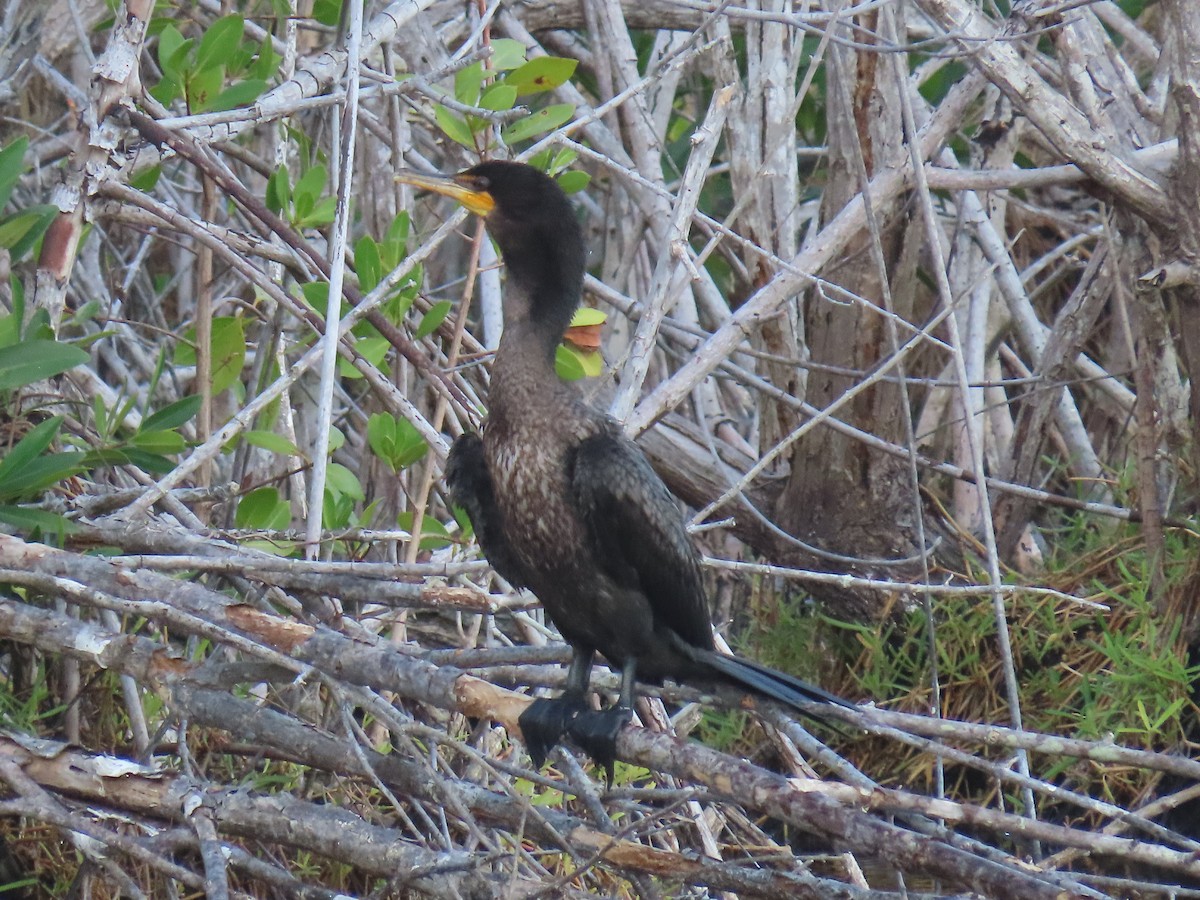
[532, 489]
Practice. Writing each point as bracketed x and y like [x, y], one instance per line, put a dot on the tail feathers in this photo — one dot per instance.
[764, 680]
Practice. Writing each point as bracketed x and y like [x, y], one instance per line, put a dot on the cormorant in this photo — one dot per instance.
[563, 503]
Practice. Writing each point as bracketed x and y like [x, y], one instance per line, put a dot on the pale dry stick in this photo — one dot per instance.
[348, 131]
[1062, 124]
[216, 871]
[1134, 37]
[289, 376]
[206, 128]
[816, 253]
[238, 560]
[900, 76]
[1154, 159]
[658, 300]
[40, 805]
[189, 623]
[827, 413]
[282, 818]
[895, 801]
[720, 230]
[815, 24]
[316, 74]
[630, 308]
[114, 79]
[280, 151]
[613, 40]
[1003, 774]
[419, 504]
[107, 206]
[902, 587]
[1149, 811]
[130, 694]
[203, 313]
[646, 143]
[929, 220]
[1032, 331]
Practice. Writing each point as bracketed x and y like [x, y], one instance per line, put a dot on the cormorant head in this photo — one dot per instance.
[532, 221]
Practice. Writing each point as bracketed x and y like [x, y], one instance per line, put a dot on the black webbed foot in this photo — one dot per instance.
[546, 720]
[596, 734]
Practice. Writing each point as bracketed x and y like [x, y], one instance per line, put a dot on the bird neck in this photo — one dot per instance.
[525, 355]
[538, 306]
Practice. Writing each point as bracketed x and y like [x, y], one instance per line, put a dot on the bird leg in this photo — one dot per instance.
[547, 719]
[595, 732]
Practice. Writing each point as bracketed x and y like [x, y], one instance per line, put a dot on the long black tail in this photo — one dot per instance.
[767, 681]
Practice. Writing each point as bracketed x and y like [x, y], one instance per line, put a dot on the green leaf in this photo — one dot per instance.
[202, 87]
[10, 327]
[169, 43]
[342, 482]
[507, 54]
[228, 351]
[562, 158]
[265, 63]
[162, 442]
[302, 205]
[538, 123]
[395, 242]
[327, 12]
[12, 166]
[28, 521]
[454, 126]
[432, 319]
[498, 97]
[264, 509]
[572, 364]
[541, 74]
[167, 90]
[573, 182]
[397, 307]
[316, 295]
[21, 230]
[38, 327]
[368, 263]
[336, 439]
[279, 190]
[397, 442]
[410, 446]
[311, 183]
[373, 349]
[29, 448]
[321, 214]
[586, 315]
[221, 40]
[269, 440]
[468, 83]
[146, 180]
[241, 94]
[381, 435]
[173, 414]
[27, 469]
[433, 533]
[466, 529]
[31, 361]
[181, 63]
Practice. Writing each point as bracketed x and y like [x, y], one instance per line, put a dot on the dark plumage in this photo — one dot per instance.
[563, 503]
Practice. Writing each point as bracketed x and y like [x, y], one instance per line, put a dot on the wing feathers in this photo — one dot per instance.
[637, 533]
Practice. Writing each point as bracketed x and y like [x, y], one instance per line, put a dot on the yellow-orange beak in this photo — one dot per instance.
[460, 187]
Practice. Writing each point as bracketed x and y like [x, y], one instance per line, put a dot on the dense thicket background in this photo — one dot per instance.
[900, 297]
